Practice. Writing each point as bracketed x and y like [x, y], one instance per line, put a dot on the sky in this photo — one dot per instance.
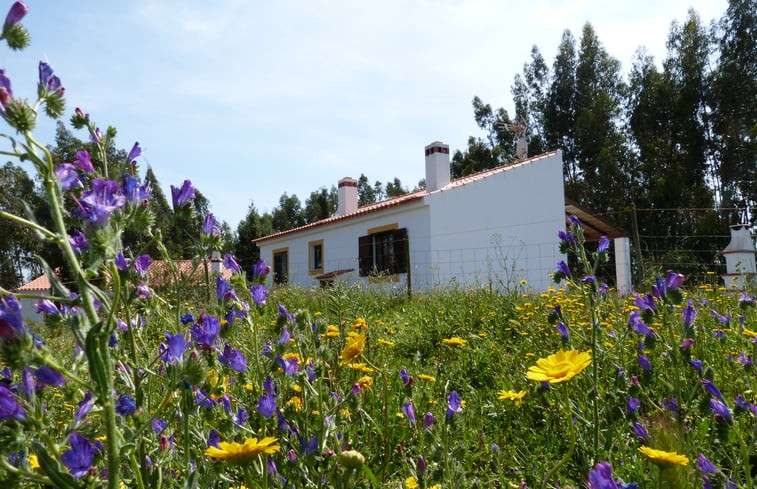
[251, 99]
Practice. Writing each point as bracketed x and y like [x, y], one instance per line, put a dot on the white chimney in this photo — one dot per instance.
[347, 195]
[215, 263]
[437, 166]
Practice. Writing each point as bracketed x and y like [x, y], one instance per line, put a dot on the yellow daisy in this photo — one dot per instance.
[385, 342]
[516, 397]
[241, 453]
[559, 367]
[454, 341]
[427, 378]
[353, 348]
[365, 382]
[411, 483]
[660, 457]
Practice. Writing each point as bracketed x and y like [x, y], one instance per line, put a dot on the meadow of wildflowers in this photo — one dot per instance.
[132, 384]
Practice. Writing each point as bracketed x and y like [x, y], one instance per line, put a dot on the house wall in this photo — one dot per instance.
[501, 229]
[29, 308]
[340, 244]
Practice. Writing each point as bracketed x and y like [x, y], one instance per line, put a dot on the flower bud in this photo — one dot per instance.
[352, 459]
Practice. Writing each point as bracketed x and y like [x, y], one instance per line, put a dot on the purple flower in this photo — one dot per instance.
[406, 379]
[285, 336]
[85, 405]
[6, 94]
[640, 431]
[230, 263]
[673, 281]
[67, 175]
[671, 404]
[604, 244]
[9, 407]
[705, 466]
[260, 270]
[48, 82]
[711, 389]
[210, 226]
[601, 477]
[242, 416]
[409, 410]
[589, 279]
[78, 242]
[574, 220]
[233, 358]
[80, 456]
[121, 263]
[271, 466]
[101, 200]
[142, 263]
[173, 349]
[421, 465]
[158, 425]
[134, 153]
[267, 405]
[562, 269]
[645, 302]
[290, 365]
[686, 344]
[720, 410]
[636, 323]
[454, 404]
[133, 191]
[47, 306]
[563, 330]
[689, 314]
[17, 12]
[224, 290]
[566, 237]
[82, 161]
[428, 419]
[259, 294]
[11, 320]
[183, 194]
[28, 384]
[285, 314]
[49, 376]
[309, 446]
[720, 317]
[125, 405]
[204, 333]
[214, 439]
[633, 404]
[203, 399]
[644, 363]
[187, 318]
[745, 360]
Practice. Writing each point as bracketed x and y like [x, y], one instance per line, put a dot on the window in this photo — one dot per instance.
[383, 252]
[315, 257]
[281, 266]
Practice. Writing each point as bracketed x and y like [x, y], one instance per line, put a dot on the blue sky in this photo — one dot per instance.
[250, 99]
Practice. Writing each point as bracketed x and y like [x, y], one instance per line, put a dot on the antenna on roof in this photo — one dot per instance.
[519, 132]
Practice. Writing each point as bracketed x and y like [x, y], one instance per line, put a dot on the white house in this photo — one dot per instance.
[497, 227]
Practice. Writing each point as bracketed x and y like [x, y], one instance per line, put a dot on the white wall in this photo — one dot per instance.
[340, 244]
[500, 229]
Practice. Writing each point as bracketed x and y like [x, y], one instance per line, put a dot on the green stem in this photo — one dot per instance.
[572, 448]
[49, 234]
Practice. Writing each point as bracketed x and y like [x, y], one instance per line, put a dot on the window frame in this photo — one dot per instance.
[277, 279]
[312, 269]
[385, 246]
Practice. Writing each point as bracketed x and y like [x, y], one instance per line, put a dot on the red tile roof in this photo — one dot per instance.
[39, 284]
[405, 199]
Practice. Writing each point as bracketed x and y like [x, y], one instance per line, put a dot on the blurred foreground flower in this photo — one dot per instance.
[662, 458]
[560, 367]
[242, 453]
